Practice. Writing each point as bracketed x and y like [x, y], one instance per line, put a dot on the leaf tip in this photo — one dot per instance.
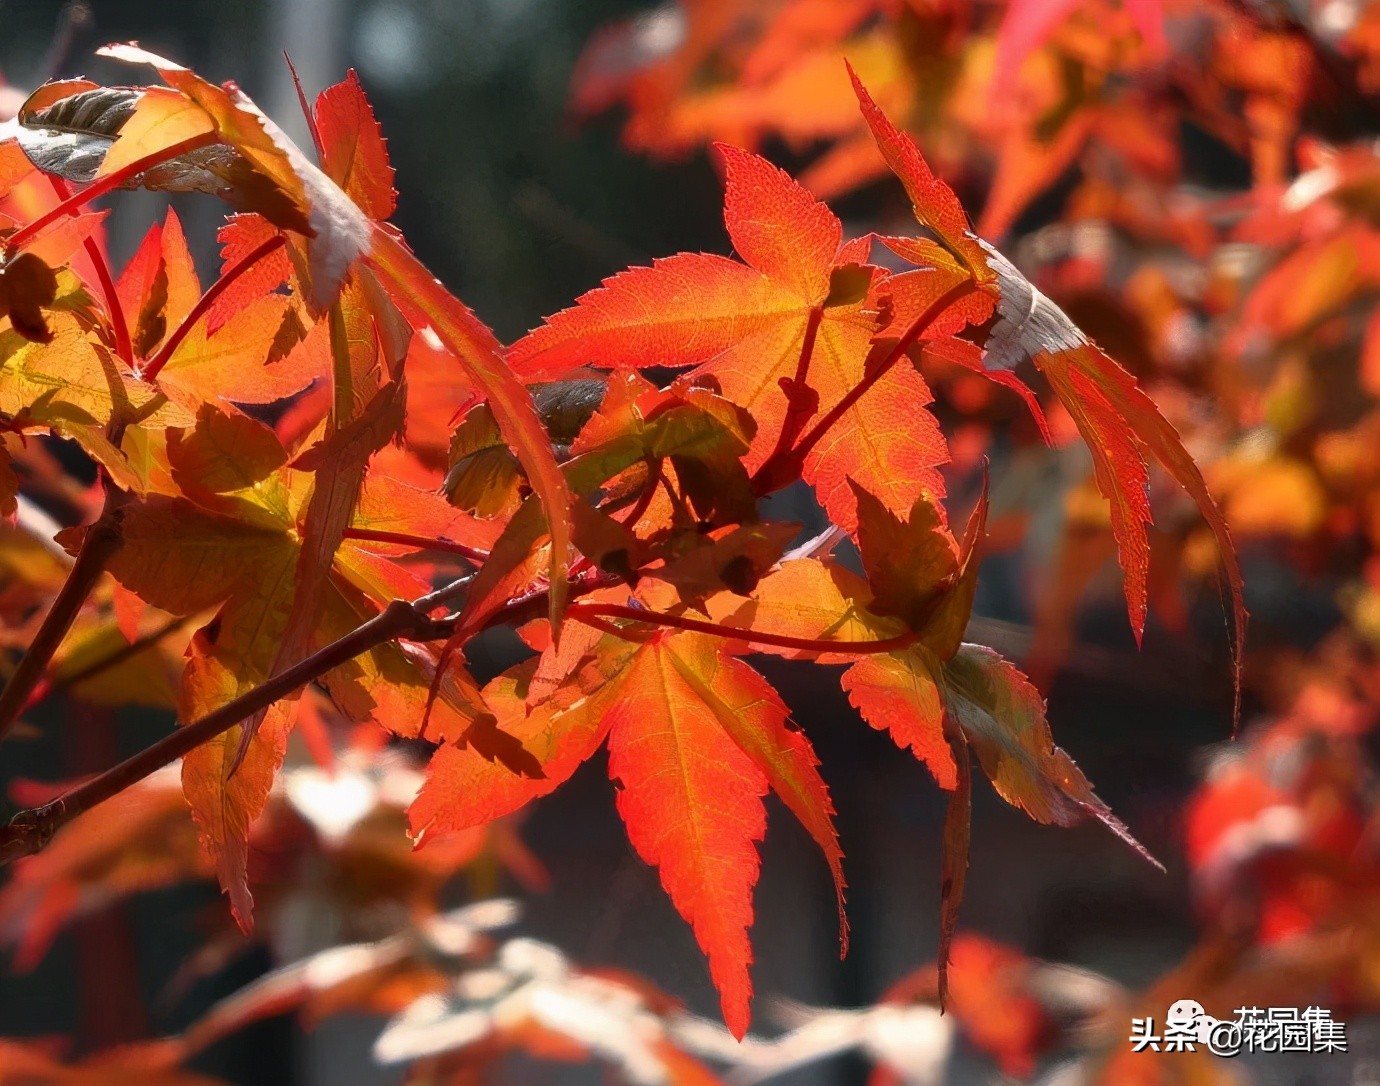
[242, 906]
[736, 1007]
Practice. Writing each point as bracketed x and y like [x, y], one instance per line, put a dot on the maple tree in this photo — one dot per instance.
[320, 478]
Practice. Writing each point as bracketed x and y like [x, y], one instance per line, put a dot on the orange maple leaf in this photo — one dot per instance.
[1120, 424]
[786, 334]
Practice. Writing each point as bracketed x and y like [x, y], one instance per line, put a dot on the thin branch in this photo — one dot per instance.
[103, 538]
[101, 542]
[422, 543]
[150, 370]
[533, 604]
[30, 830]
[592, 614]
[48, 687]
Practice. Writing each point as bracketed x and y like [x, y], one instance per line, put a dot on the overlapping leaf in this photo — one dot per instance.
[1120, 424]
[272, 177]
[786, 335]
[289, 551]
[74, 387]
[934, 695]
[232, 541]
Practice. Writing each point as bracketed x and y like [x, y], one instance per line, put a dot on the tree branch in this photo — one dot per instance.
[48, 687]
[593, 614]
[30, 830]
[101, 542]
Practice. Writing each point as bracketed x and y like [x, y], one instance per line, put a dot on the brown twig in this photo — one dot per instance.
[593, 614]
[128, 651]
[101, 542]
[30, 830]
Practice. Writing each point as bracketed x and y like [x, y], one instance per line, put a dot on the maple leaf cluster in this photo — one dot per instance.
[1064, 124]
[1196, 183]
[321, 477]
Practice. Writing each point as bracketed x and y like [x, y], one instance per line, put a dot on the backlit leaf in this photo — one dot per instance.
[465, 789]
[1003, 718]
[800, 306]
[752, 713]
[900, 693]
[225, 805]
[1120, 424]
[352, 147]
[692, 802]
[158, 286]
[422, 298]
[806, 598]
[910, 564]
